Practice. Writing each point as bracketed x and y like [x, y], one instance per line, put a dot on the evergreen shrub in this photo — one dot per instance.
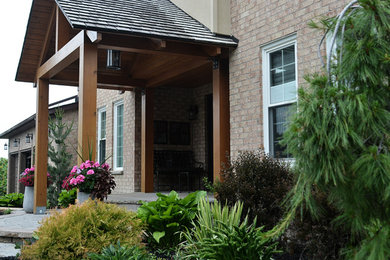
[82, 229]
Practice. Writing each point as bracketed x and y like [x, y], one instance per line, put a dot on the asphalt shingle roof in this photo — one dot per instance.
[153, 18]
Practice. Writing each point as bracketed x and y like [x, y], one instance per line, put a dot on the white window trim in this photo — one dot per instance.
[100, 111]
[116, 104]
[266, 50]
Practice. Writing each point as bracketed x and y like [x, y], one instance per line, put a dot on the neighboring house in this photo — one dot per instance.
[176, 79]
[21, 140]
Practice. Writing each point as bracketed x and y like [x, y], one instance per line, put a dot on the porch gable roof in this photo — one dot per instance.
[151, 18]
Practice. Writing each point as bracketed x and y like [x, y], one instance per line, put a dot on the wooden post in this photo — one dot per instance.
[221, 124]
[87, 101]
[147, 141]
[41, 134]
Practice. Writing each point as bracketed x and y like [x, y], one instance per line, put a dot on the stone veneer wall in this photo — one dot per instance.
[256, 23]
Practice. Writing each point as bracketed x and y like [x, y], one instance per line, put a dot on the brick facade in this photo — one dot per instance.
[257, 23]
[128, 179]
[17, 156]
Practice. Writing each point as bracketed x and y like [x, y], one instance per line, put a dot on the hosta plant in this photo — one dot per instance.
[67, 198]
[167, 216]
[12, 200]
[120, 252]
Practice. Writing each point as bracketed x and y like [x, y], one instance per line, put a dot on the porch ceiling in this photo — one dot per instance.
[147, 60]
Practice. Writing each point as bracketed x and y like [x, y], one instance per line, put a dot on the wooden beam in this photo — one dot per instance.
[41, 146]
[46, 42]
[105, 81]
[87, 101]
[221, 124]
[149, 46]
[147, 141]
[94, 36]
[166, 76]
[62, 59]
[63, 30]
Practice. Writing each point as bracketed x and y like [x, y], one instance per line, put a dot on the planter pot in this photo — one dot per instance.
[82, 196]
[28, 200]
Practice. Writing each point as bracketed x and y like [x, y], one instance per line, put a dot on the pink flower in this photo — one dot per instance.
[80, 178]
[96, 164]
[90, 172]
[32, 169]
[74, 170]
[82, 166]
[73, 181]
[105, 166]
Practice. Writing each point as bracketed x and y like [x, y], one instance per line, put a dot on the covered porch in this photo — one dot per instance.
[74, 44]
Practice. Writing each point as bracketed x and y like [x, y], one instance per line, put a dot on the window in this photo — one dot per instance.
[118, 136]
[102, 135]
[279, 92]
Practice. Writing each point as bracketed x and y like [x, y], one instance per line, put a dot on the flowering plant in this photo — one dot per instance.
[91, 177]
[27, 177]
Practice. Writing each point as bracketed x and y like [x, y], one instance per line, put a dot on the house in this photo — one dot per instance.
[21, 139]
[162, 79]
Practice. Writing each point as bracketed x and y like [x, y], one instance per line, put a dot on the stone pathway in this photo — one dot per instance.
[15, 227]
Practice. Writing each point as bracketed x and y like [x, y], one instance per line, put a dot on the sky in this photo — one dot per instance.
[18, 99]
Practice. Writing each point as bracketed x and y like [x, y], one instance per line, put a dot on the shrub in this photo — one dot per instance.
[167, 216]
[60, 158]
[220, 234]
[82, 229]
[260, 182]
[121, 252]
[67, 198]
[12, 200]
[3, 176]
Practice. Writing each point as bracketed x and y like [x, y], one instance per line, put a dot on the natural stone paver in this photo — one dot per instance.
[14, 227]
[8, 249]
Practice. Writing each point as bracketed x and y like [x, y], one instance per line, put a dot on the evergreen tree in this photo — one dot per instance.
[59, 166]
[3, 176]
[340, 137]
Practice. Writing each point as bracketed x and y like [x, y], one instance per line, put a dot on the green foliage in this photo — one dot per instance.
[67, 198]
[340, 137]
[82, 229]
[119, 252]
[5, 211]
[218, 233]
[12, 200]
[260, 182]
[60, 159]
[3, 176]
[167, 216]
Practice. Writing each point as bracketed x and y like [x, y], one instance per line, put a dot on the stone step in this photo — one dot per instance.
[132, 201]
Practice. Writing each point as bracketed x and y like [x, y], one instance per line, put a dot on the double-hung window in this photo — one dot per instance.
[102, 134]
[118, 136]
[279, 92]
